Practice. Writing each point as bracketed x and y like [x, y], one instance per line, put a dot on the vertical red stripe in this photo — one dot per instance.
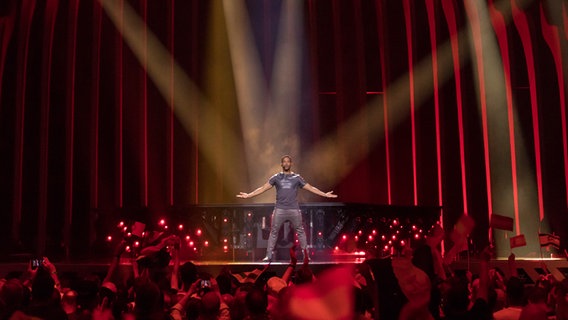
[520, 20]
[27, 11]
[145, 103]
[312, 18]
[70, 120]
[500, 28]
[410, 54]
[361, 96]
[339, 74]
[552, 38]
[434, 47]
[194, 68]
[449, 12]
[474, 20]
[382, 51]
[95, 101]
[49, 27]
[120, 71]
[565, 19]
[6, 30]
[360, 61]
[172, 103]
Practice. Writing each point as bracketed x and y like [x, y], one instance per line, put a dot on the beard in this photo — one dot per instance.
[286, 168]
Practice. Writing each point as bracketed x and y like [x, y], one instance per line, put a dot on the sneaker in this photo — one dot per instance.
[266, 259]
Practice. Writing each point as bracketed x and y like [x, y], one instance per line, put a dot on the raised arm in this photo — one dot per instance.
[118, 251]
[317, 191]
[174, 282]
[290, 268]
[256, 192]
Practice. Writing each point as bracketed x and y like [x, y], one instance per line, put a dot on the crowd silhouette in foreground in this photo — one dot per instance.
[417, 284]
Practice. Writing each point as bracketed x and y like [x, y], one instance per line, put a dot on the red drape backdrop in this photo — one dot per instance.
[88, 136]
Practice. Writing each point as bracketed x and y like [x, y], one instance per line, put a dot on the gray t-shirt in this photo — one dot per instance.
[287, 189]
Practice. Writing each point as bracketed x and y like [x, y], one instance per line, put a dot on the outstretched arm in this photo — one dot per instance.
[317, 191]
[256, 192]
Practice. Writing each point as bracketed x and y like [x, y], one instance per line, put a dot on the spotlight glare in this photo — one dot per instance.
[109, 238]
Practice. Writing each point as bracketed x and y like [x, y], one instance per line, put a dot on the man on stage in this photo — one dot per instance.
[287, 207]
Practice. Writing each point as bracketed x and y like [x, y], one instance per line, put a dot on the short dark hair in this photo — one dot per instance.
[284, 157]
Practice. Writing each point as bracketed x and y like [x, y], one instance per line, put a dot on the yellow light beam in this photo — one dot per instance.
[188, 101]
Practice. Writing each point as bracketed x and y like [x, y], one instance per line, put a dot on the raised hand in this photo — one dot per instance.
[293, 258]
[48, 265]
[486, 254]
[330, 194]
[120, 248]
[306, 257]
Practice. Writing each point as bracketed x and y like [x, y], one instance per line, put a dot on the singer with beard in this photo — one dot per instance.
[287, 208]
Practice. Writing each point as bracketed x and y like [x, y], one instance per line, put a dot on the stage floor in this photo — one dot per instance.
[247, 260]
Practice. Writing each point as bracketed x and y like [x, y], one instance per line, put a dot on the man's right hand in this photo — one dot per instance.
[243, 195]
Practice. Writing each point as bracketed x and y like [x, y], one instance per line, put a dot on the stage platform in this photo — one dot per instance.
[529, 270]
[235, 236]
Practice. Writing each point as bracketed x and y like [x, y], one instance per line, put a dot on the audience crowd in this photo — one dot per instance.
[418, 284]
